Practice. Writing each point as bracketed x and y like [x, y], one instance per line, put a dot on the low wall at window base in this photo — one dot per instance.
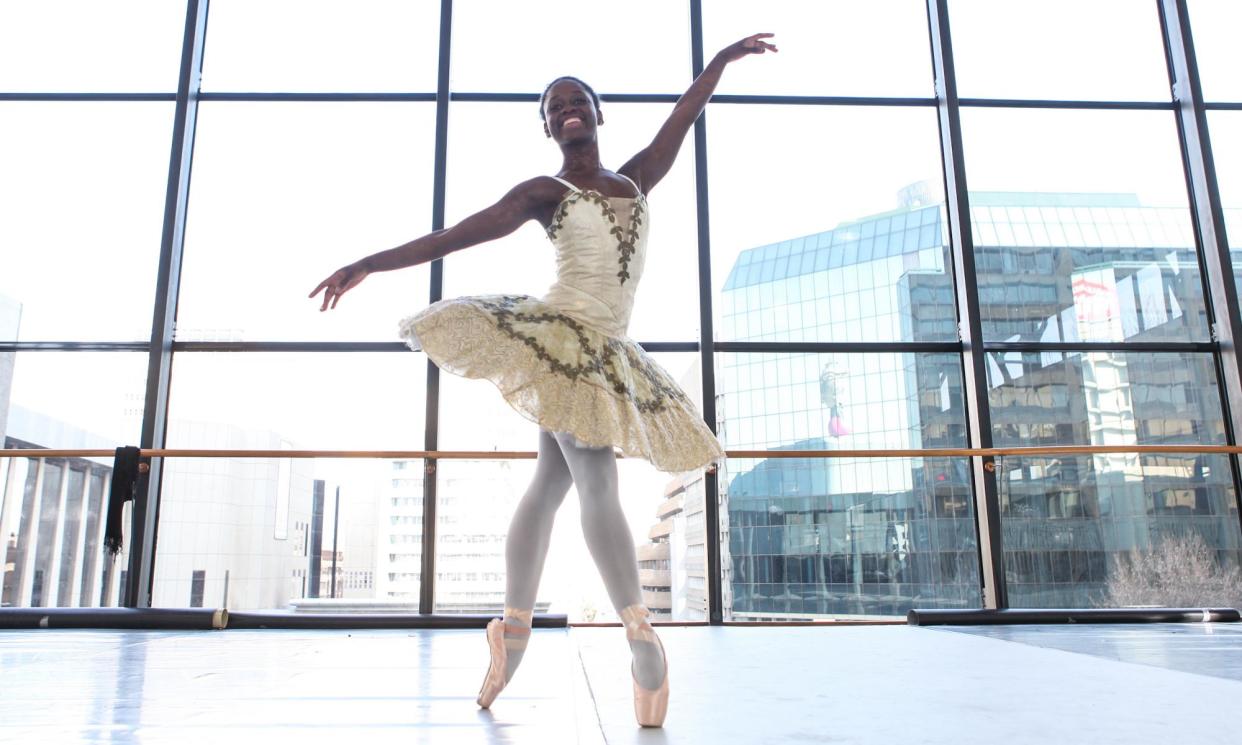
[280, 620]
[114, 618]
[220, 618]
[1071, 615]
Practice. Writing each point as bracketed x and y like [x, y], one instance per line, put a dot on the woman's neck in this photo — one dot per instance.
[581, 158]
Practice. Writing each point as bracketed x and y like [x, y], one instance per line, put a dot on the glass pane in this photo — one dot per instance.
[524, 46]
[868, 528]
[341, 401]
[83, 193]
[89, 46]
[50, 536]
[800, 256]
[29, 558]
[1120, 530]
[847, 538]
[882, 45]
[1104, 398]
[477, 500]
[1214, 24]
[1079, 238]
[1059, 49]
[839, 401]
[53, 404]
[270, 544]
[1226, 134]
[296, 534]
[286, 193]
[482, 135]
[290, 45]
[653, 501]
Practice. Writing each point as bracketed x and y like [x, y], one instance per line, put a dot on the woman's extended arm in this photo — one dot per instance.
[522, 203]
[653, 162]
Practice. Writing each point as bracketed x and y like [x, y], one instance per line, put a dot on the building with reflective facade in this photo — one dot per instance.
[848, 536]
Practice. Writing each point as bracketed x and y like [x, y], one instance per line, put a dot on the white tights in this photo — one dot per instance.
[564, 462]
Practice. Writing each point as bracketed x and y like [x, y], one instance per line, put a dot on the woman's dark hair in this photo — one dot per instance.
[544, 98]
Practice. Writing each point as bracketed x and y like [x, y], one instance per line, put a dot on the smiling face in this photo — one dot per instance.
[569, 112]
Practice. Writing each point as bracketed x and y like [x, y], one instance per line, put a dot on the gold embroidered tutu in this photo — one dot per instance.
[567, 376]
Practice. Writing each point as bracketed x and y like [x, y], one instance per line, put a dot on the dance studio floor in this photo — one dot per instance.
[850, 684]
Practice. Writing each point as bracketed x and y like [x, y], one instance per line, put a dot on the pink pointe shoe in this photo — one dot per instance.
[494, 682]
[650, 706]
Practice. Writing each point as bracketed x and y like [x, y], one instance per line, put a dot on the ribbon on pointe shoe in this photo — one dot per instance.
[637, 627]
[521, 633]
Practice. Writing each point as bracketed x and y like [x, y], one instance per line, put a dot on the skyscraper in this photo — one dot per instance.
[814, 537]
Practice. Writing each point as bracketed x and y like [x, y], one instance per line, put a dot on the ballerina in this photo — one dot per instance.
[564, 361]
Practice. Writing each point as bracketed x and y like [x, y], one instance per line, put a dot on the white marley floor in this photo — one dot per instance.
[880, 684]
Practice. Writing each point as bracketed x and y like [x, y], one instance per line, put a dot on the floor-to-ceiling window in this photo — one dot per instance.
[807, 222]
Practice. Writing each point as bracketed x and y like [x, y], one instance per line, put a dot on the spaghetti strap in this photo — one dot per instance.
[566, 183]
[638, 191]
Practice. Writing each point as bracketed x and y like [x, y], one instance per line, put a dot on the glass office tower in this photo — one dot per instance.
[859, 537]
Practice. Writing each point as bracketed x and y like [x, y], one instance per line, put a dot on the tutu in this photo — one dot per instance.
[564, 361]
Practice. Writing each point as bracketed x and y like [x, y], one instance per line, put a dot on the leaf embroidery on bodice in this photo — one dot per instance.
[626, 237]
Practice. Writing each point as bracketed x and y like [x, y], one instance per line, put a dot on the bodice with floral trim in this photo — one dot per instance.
[601, 247]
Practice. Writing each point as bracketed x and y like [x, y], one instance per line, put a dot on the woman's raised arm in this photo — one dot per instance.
[653, 162]
[526, 201]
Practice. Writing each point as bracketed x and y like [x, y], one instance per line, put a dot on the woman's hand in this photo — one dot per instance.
[342, 280]
[750, 45]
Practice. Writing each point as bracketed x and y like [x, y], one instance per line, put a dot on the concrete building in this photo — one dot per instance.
[234, 533]
[51, 521]
[475, 501]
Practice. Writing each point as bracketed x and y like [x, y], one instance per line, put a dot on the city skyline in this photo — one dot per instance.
[910, 300]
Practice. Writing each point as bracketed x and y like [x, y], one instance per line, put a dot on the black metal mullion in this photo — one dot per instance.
[970, 327]
[1190, 347]
[837, 347]
[751, 98]
[727, 98]
[279, 96]
[288, 346]
[1043, 103]
[1211, 240]
[711, 483]
[145, 520]
[431, 431]
[30, 97]
[74, 346]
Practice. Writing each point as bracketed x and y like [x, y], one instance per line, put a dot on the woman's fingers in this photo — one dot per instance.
[338, 284]
[754, 43]
[339, 291]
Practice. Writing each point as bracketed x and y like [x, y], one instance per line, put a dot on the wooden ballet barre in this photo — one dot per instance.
[1022, 452]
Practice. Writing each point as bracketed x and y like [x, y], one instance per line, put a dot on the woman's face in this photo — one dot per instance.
[570, 114]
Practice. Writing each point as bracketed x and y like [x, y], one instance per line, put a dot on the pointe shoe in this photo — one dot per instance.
[498, 647]
[494, 682]
[650, 706]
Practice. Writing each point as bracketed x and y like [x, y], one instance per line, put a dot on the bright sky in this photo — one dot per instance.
[284, 193]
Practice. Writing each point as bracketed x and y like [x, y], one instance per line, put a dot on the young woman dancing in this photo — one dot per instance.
[565, 362]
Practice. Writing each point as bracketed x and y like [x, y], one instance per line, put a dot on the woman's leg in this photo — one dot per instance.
[608, 537]
[526, 547]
